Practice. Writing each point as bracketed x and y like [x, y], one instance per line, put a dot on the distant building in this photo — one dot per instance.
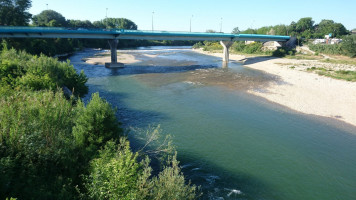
[335, 41]
[327, 41]
[319, 41]
[353, 32]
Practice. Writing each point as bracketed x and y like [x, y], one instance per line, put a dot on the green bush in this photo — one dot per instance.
[47, 141]
[255, 47]
[252, 48]
[212, 46]
[117, 174]
[95, 124]
[333, 49]
[20, 70]
[37, 155]
[114, 174]
[349, 45]
[238, 46]
[198, 45]
[281, 52]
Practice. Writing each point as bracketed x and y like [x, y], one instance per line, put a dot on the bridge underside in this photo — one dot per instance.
[114, 36]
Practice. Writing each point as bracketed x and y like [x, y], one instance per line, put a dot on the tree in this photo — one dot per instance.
[304, 24]
[329, 26]
[264, 30]
[236, 30]
[249, 31]
[14, 12]
[292, 28]
[49, 18]
[210, 31]
[116, 23]
[80, 23]
[280, 29]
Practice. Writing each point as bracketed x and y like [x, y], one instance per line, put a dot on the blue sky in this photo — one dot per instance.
[175, 15]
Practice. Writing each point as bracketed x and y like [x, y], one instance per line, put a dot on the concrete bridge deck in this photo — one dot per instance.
[113, 35]
[53, 32]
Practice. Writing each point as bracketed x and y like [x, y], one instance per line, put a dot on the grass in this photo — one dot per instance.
[338, 61]
[304, 57]
[339, 74]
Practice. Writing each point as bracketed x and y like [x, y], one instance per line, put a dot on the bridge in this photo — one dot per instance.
[114, 35]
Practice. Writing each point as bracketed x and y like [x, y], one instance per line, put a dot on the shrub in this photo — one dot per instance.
[198, 45]
[255, 47]
[95, 124]
[37, 155]
[349, 45]
[239, 46]
[116, 174]
[334, 49]
[281, 52]
[20, 70]
[211, 46]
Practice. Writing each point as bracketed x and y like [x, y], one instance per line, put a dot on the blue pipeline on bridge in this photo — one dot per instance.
[54, 32]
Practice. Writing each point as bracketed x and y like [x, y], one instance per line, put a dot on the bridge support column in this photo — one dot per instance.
[113, 48]
[226, 45]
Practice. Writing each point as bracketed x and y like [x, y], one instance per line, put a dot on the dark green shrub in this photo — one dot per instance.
[198, 45]
[114, 174]
[20, 70]
[239, 46]
[117, 174]
[281, 52]
[349, 45]
[37, 153]
[333, 49]
[255, 47]
[95, 124]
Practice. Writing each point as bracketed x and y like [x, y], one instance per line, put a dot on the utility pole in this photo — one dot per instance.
[152, 19]
[190, 25]
[47, 5]
[221, 25]
[106, 16]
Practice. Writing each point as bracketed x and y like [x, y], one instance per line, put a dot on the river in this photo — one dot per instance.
[233, 144]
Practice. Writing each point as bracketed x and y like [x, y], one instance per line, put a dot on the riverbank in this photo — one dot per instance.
[299, 88]
[302, 90]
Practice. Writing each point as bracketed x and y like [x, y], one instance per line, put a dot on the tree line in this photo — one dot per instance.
[303, 28]
[14, 13]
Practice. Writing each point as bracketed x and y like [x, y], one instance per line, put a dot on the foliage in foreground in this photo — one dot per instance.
[117, 174]
[55, 148]
[19, 70]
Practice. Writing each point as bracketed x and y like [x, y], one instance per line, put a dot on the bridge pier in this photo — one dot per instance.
[113, 48]
[226, 45]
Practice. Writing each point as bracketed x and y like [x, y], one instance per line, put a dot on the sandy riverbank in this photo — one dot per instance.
[304, 91]
[300, 90]
[102, 58]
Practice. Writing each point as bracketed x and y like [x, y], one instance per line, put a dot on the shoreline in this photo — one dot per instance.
[299, 90]
[303, 91]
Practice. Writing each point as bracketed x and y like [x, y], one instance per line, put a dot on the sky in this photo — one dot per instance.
[176, 15]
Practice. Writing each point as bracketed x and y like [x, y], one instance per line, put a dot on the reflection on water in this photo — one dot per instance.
[235, 145]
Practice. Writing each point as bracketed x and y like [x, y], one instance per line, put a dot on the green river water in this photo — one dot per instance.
[235, 145]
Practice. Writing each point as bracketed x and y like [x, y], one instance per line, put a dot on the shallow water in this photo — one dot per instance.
[235, 145]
